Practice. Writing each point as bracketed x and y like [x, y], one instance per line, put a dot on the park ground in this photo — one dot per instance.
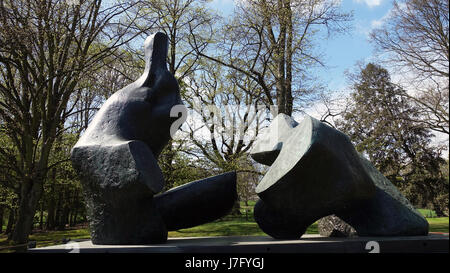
[243, 224]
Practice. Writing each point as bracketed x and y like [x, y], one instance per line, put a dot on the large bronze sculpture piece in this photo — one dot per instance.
[116, 159]
[315, 172]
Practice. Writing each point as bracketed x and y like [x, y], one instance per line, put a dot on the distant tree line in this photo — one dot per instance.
[394, 124]
[379, 119]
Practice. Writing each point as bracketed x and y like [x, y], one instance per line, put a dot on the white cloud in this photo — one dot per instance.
[364, 28]
[380, 22]
[370, 3]
[390, 14]
[377, 23]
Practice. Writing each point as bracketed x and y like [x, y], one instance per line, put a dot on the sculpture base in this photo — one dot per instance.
[433, 243]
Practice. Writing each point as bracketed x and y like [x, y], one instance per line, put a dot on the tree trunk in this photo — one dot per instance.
[41, 217]
[173, 50]
[289, 56]
[2, 209]
[52, 202]
[63, 209]
[30, 194]
[58, 214]
[236, 210]
[438, 209]
[74, 214]
[280, 79]
[72, 217]
[280, 60]
[11, 219]
[65, 218]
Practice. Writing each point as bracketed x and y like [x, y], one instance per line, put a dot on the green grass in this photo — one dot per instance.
[239, 227]
[55, 237]
[438, 224]
[220, 228]
[48, 238]
[243, 225]
[228, 228]
[428, 213]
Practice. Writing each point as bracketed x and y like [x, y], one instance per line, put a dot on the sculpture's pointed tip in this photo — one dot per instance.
[155, 47]
[156, 43]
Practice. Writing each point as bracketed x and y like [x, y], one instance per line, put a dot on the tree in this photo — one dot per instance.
[224, 122]
[185, 166]
[7, 203]
[417, 36]
[272, 43]
[62, 198]
[416, 39]
[112, 74]
[180, 20]
[378, 121]
[46, 47]
[247, 180]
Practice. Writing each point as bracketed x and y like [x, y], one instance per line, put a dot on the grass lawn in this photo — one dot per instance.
[428, 213]
[240, 227]
[438, 224]
[228, 226]
[48, 238]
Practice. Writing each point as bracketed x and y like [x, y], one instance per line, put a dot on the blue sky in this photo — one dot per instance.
[343, 51]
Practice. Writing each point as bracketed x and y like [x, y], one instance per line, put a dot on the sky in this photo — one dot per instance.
[343, 51]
